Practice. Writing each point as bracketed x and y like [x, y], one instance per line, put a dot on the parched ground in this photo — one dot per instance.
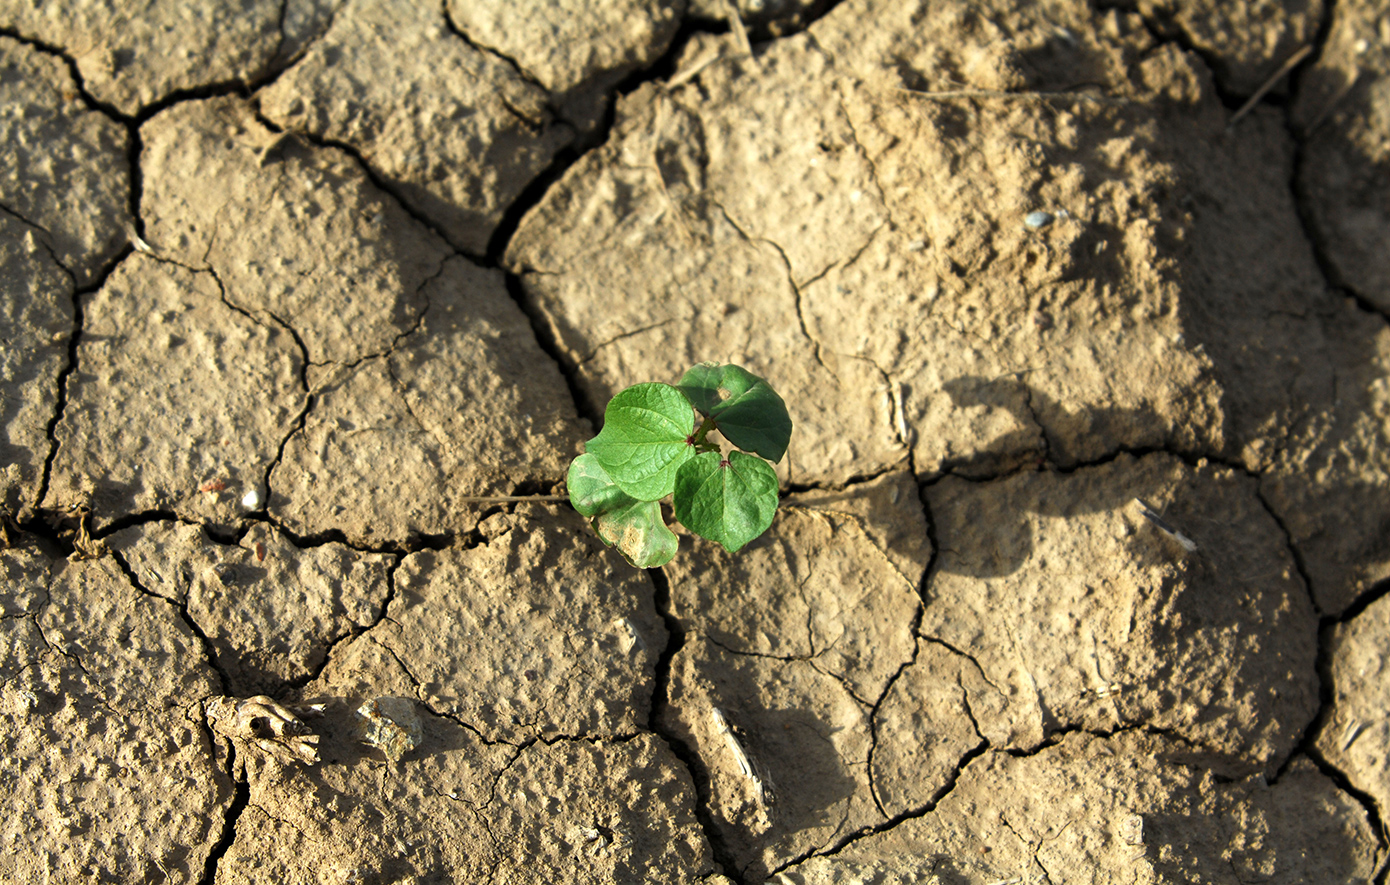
[306, 306]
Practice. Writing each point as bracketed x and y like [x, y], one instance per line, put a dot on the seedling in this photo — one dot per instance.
[656, 442]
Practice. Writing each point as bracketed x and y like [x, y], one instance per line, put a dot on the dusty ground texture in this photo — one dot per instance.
[306, 305]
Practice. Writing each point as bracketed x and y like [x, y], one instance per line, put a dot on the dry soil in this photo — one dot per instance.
[306, 306]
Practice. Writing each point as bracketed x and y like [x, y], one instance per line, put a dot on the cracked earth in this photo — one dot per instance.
[306, 306]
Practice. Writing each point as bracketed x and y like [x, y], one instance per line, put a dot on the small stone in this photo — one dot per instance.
[252, 500]
[1036, 220]
[391, 725]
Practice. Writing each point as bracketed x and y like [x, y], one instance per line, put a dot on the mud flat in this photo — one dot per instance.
[1081, 316]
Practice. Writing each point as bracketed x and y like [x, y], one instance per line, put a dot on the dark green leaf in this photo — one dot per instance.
[731, 501]
[645, 439]
[592, 490]
[748, 412]
[701, 385]
[639, 534]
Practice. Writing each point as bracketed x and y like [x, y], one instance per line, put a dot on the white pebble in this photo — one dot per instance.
[251, 500]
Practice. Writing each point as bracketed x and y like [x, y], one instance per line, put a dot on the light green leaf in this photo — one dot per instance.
[592, 490]
[645, 439]
[745, 408]
[731, 502]
[639, 534]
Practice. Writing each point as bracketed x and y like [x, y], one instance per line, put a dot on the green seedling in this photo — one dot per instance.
[656, 442]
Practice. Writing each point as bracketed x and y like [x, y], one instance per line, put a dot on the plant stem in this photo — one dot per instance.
[699, 438]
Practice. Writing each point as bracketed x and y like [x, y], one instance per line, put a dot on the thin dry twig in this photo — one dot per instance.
[507, 499]
[995, 93]
[1288, 65]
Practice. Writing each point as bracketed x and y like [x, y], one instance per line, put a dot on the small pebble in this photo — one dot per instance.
[252, 500]
[391, 725]
[1035, 220]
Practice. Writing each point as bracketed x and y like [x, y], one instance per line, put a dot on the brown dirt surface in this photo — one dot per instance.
[1080, 568]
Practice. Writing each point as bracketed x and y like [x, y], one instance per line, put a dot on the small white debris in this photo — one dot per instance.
[721, 725]
[27, 700]
[628, 637]
[1187, 543]
[900, 417]
[1036, 220]
[136, 241]
[745, 765]
[1132, 829]
[1352, 732]
[917, 246]
[251, 500]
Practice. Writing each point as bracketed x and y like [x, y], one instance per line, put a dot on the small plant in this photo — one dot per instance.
[656, 442]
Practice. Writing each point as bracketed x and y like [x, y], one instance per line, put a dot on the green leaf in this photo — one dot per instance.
[731, 501]
[592, 490]
[645, 439]
[702, 383]
[639, 534]
[747, 411]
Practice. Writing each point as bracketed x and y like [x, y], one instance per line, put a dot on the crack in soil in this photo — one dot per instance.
[495, 53]
[688, 755]
[873, 713]
[78, 322]
[224, 681]
[79, 82]
[241, 798]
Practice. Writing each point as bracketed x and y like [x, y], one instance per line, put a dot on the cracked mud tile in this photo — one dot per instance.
[924, 727]
[1343, 112]
[356, 817]
[458, 809]
[1327, 483]
[1161, 302]
[65, 169]
[107, 770]
[577, 51]
[783, 114]
[178, 402]
[455, 132]
[465, 405]
[269, 609]
[816, 587]
[638, 276]
[36, 320]
[1127, 809]
[1063, 342]
[596, 811]
[1164, 303]
[1245, 43]
[888, 510]
[992, 45]
[537, 632]
[1082, 613]
[1355, 737]
[785, 756]
[133, 55]
[293, 232]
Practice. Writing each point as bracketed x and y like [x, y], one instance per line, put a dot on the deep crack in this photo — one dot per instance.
[688, 755]
[241, 797]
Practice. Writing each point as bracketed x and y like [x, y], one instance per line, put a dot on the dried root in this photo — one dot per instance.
[260, 722]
